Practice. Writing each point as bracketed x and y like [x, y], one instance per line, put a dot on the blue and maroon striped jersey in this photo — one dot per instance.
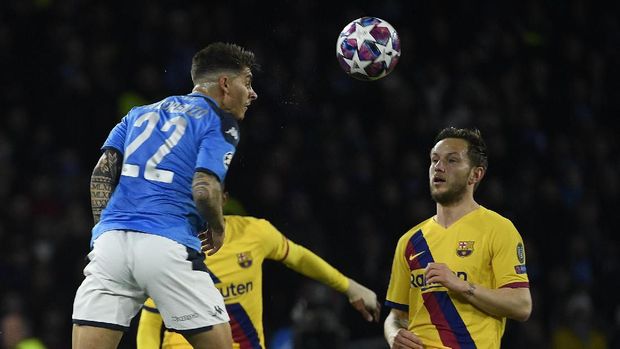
[483, 248]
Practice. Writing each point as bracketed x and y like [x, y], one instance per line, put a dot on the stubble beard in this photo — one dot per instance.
[453, 195]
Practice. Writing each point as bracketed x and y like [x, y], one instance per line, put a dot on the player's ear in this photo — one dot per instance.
[224, 82]
[476, 174]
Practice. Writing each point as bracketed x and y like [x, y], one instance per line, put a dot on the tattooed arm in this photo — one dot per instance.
[207, 193]
[103, 181]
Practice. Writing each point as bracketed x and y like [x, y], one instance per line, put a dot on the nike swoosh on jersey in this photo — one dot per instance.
[412, 257]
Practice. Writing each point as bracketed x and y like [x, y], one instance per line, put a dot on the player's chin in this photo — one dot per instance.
[439, 194]
[437, 189]
[240, 115]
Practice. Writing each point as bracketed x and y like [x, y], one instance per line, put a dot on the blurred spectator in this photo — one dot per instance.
[579, 329]
[316, 320]
[16, 333]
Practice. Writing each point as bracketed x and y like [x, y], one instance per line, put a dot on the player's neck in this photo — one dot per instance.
[204, 90]
[448, 215]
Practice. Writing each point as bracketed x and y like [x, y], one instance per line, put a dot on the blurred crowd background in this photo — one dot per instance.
[336, 164]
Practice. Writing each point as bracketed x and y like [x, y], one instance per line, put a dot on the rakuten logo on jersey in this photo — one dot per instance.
[419, 281]
[235, 290]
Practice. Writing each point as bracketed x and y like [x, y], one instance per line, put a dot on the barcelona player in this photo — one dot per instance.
[155, 187]
[237, 272]
[457, 276]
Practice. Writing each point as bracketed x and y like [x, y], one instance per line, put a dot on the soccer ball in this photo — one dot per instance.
[368, 48]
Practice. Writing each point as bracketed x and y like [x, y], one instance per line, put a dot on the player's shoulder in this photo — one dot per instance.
[249, 225]
[219, 119]
[495, 224]
[494, 218]
[241, 221]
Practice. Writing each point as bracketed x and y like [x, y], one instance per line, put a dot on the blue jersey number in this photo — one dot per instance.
[151, 172]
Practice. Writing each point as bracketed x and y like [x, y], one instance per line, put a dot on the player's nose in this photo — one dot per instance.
[253, 94]
[439, 166]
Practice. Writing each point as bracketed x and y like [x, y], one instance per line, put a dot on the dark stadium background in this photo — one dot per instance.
[336, 164]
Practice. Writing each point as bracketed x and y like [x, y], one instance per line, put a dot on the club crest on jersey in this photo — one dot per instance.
[464, 248]
[244, 259]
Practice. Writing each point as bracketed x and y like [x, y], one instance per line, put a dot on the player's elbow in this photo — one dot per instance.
[527, 312]
[205, 188]
[517, 303]
[522, 316]
[523, 311]
[201, 197]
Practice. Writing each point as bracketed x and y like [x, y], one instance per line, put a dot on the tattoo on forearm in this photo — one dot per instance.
[103, 181]
[202, 186]
[207, 196]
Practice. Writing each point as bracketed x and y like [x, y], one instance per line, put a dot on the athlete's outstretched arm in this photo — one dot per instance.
[207, 193]
[514, 303]
[103, 181]
[309, 264]
[396, 333]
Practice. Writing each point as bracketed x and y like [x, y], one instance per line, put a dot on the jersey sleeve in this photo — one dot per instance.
[116, 138]
[508, 261]
[150, 327]
[398, 289]
[302, 260]
[275, 245]
[309, 264]
[216, 150]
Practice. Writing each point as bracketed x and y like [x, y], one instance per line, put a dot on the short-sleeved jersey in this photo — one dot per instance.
[163, 145]
[236, 270]
[483, 248]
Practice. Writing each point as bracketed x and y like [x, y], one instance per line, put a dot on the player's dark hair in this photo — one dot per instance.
[221, 56]
[477, 148]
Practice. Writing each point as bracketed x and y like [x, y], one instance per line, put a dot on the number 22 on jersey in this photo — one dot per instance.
[151, 172]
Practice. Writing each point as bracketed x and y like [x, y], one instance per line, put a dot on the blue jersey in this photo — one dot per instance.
[163, 145]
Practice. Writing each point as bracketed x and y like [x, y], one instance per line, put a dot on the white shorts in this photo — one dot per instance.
[126, 267]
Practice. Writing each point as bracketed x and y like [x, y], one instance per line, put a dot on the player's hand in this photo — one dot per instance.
[440, 273]
[211, 241]
[364, 301]
[406, 340]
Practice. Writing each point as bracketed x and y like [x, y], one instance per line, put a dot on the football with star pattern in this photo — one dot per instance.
[368, 48]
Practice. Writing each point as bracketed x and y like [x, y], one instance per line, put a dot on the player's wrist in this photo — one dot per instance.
[390, 339]
[390, 335]
[352, 290]
[349, 282]
[470, 289]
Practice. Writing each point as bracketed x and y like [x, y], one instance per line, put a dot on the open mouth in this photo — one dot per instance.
[438, 180]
